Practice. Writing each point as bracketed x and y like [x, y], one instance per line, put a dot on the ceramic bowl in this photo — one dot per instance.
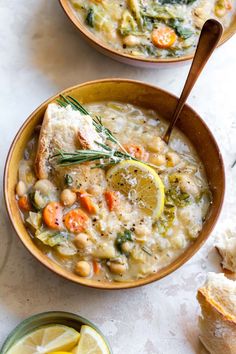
[47, 318]
[143, 95]
[126, 58]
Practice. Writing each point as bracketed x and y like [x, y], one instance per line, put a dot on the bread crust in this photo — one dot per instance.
[217, 326]
[64, 129]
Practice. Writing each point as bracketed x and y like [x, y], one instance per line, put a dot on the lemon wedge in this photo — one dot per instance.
[140, 184]
[47, 339]
[91, 342]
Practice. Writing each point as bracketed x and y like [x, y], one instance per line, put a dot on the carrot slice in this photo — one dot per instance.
[137, 151]
[111, 198]
[24, 203]
[52, 215]
[86, 202]
[96, 267]
[75, 220]
[163, 37]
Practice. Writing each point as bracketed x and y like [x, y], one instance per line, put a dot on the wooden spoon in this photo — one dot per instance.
[208, 40]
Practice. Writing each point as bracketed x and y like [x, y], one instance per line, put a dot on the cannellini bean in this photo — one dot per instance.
[187, 185]
[131, 40]
[157, 145]
[44, 186]
[81, 240]
[141, 232]
[68, 197]
[95, 190]
[20, 189]
[83, 268]
[127, 247]
[172, 159]
[157, 159]
[117, 268]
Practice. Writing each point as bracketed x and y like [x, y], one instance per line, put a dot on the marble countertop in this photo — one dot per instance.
[41, 54]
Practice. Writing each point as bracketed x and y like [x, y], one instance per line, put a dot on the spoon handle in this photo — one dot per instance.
[208, 40]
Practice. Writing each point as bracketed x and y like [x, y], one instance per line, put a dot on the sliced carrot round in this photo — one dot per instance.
[52, 215]
[75, 220]
[163, 37]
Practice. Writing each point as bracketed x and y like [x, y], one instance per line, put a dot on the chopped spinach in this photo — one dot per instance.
[122, 238]
[32, 201]
[178, 2]
[68, 180]
[180, 30]
[90, 18]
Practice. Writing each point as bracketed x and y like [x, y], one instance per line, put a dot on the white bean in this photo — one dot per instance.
[157, 145]
[187, 185]
[44, 186]
[81, 240]
[158, 159]
[68, 197]
[131, 40]
[127, 247]
[117, 268]
[83, 268]
[21, 189]
[172, 159]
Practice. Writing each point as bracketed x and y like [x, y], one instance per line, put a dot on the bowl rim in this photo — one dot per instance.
[42, 315]
[88, 35]
[84, 281]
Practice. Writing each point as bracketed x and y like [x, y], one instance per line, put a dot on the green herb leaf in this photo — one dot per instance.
[181, 31]
[178, 2]
[147, 250]
[121, 238]
[90, 18]
[68, 180]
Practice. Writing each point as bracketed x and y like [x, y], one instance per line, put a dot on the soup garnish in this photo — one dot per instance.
[106, 198]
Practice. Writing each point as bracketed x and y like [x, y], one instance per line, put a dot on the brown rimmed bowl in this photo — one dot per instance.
[48, 318]
[126, 58]
[143, 95]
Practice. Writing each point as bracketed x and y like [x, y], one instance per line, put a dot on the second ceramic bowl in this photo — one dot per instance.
[129, 59]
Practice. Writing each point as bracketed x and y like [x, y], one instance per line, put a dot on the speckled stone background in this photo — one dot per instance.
[40, 54]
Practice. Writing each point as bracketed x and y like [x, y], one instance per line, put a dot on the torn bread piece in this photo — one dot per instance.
[217, 323]
[226, 246]
[63, 129]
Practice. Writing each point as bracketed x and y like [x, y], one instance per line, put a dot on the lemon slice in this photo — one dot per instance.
[91, 342]
[140, 184]
[46, 339]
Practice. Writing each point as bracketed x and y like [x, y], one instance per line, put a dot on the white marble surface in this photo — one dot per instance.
[42, 53]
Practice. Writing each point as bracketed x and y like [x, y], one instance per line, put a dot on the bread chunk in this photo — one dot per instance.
[217, 323]
[226, 246]
[63, 129]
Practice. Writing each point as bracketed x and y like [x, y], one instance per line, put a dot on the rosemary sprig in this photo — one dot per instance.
[107, 157]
